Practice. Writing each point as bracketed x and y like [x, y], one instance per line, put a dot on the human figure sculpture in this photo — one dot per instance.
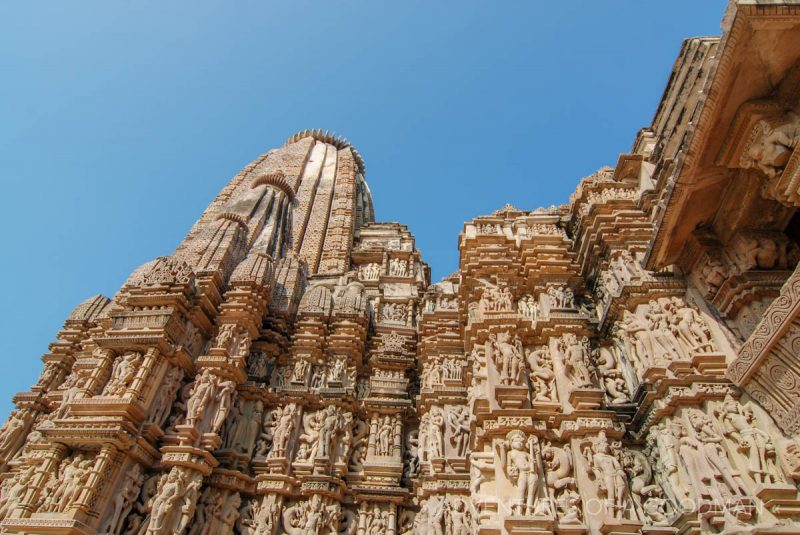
[384, 440]
[124, 370]
[70, 389]
[13, 489]
[13, 433]
[689, 327]
[397, 267]
[481, 464]
[458, 425]
[459, 519]
[225, 395]
[168, 496]
[201, 395]
[659, 325]
[328, 430]
[508, 357]
[611, 480]
[520, 467]
[773, 146]
[645, 348]
[436, 432]
[710, 471]
[756, 445]
[561, 480]
[166, 395]
[542, 376]
[575, 367]
[123, 500]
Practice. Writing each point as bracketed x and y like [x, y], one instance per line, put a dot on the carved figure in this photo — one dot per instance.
[123, 500]
[611, 481]
[575, 368]
[562, 484]
[711, 475]
[739, 424]
[521, 470]
[542, 376]
[458, 426]
[124, 370]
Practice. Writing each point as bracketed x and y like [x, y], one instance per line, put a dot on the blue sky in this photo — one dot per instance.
[119, 121]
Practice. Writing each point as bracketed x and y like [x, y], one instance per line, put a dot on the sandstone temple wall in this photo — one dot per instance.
[628, 362]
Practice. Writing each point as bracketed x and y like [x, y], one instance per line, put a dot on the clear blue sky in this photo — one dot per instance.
[119, 121]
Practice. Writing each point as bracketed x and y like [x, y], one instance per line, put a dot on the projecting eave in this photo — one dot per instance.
[760, 44]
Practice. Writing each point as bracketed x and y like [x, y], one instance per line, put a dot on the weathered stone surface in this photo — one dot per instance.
[624, 363]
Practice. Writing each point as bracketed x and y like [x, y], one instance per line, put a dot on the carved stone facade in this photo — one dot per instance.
[624, 363]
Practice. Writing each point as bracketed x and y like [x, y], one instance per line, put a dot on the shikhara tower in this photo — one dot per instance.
[625, 363]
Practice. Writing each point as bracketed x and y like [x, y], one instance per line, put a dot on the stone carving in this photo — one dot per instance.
[215, 396]
[71, 389]
[645, 348]
[259, 367]
[244, 428]
[397, 267]
[612, 484]
[688, 327]
[561, 297]
[505, 351]
[542, 377]
[14, 432]
[311, 516]
[458, 428]
[383, 442]
[13, 489]
[518, 460]
[321, 430]
[394, 312]
[625, 267]
[64, 488]
[771, 146]
[574, 353]
[562, 484]
[647, 497]
[481, 469]
[710, 473]
[210, 402]
[411, 455]
[166, 395]
[611, 375]
[123, 500]
[123, 372]
[217, 512]
[370, 272]
[756, 446]
[528, 307]
[495, 299]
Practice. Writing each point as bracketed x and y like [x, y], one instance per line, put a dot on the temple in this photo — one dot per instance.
[628, 362]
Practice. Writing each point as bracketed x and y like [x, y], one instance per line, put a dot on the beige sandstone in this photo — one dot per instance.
[625, 363]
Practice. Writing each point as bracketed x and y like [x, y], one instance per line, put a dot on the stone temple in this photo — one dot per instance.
[628, 362]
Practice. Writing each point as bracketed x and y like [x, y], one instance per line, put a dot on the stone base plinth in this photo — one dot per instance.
[278, 483]
[619, 527]
[654, 373]
[547, 407]
[511, 397]
[571, 529]
[780, 498]
[658, 530]
[709, 364]
[586, 398]
[529, 525]
[46, 524]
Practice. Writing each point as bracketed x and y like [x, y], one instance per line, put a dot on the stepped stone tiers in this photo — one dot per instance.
[628, 362]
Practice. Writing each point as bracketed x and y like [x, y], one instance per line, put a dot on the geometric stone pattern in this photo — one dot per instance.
[596, 367]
